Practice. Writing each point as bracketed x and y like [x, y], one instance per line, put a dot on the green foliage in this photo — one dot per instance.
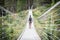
[21, 5]
[47, 29]
[13, 25]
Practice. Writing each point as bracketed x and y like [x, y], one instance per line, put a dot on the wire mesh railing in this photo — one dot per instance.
[50, 23]
[12, 24]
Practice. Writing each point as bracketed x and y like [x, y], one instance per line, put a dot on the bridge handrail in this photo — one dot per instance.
[49, 9]
[7, 11]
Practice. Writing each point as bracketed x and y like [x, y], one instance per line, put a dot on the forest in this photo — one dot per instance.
[13, 14]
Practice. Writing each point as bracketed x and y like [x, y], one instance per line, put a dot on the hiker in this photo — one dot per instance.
[30, 21]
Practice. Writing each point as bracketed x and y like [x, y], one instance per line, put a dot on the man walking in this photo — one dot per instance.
[30, 21]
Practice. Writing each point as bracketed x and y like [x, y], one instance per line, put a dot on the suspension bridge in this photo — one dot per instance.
[31, 34]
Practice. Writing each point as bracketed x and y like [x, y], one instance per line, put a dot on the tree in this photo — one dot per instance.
[11, 5]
